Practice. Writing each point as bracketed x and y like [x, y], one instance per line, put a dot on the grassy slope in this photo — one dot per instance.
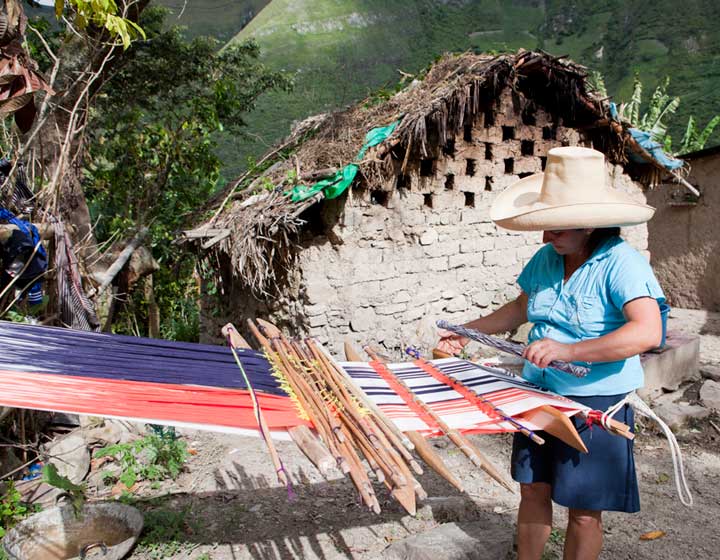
[217, 18]
[342, 50]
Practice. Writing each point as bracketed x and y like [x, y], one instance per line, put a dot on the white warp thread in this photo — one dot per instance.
[641, 407]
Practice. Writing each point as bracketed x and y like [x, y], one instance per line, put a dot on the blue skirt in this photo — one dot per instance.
[604, 479]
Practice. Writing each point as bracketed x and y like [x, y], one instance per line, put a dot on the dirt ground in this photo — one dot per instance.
[229, 506]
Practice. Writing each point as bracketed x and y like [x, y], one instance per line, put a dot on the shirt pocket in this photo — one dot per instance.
[590, 314]
[540, 301]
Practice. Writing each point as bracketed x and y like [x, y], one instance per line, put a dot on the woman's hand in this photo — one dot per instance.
[451, 343]
[543, 351]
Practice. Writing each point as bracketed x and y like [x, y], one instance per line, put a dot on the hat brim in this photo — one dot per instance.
[519, 208]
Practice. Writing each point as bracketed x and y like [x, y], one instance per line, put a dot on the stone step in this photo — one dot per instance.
[667, 369]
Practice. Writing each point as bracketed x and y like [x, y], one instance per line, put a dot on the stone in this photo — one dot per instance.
[363, 319]
[448, 509]
[522, 332]
[489, 539]
[108, 434]
[429, 237]
[37, 492]
[676, 414]
[8, 461]
[710, 394]
[710, 372]
[675, 364]
[457, 304]
[71, 457]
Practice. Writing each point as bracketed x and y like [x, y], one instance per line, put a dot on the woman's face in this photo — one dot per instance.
[567, 241]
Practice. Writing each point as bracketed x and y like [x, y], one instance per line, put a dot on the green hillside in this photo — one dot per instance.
[342, 50]
[218, 18]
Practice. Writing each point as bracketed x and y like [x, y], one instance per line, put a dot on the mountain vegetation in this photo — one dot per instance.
[342, 50]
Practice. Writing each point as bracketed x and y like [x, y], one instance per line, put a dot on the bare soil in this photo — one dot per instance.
[231, 506]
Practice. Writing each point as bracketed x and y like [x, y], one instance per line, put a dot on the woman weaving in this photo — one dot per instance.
[593, 300]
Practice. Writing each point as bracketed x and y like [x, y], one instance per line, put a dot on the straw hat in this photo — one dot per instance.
[573, 192]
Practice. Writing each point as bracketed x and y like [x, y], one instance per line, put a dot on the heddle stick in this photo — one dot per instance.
[333, 429]
[318, 417]
[419, 442]
[414, 402]
[233, 339]
[405, 485]
[510, 347]
[483, 403]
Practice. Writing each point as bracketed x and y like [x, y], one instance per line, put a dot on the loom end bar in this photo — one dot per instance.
[554, 422]
[236, 340]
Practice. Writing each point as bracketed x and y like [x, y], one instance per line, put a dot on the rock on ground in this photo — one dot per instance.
[489, 539]
[70, 456]
[710, 395]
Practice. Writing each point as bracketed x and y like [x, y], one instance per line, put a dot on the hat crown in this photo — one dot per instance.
[574, 175]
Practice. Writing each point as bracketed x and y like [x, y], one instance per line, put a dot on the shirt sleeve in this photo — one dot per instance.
[528, 276]
[631, 277]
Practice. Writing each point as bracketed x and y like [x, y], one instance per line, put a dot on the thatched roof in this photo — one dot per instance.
[254, 227]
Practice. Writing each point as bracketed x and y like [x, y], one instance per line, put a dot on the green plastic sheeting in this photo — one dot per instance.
[334, 186]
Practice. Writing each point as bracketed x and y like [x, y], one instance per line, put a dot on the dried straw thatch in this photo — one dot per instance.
[255, 225]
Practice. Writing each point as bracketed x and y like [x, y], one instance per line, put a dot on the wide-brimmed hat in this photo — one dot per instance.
[573, 192]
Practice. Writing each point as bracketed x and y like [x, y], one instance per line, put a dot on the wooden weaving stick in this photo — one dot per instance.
[420, 443]
[236, 341]
[455, 436]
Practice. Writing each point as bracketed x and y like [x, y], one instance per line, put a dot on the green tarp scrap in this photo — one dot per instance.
[334, 186]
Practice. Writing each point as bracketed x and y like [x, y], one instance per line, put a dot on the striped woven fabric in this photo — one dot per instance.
[198, 385]
[176, 383]
[513, 395]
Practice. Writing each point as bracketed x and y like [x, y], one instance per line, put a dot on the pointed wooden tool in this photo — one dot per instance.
[420, 443]
[233, 337]
[454, 435]
[555, 423]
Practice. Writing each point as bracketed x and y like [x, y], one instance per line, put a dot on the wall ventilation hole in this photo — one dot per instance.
[488, 183]
[449, 181]
[488, 151]
[403, 182]
[380, 197]
[469, 200]
[528, 117]
[508, 133]
[489, 118]
[427, 167]
[467, 133]
[527, 147]
[428, 200]
[543, 162]
[509, 165]
[449, 148]
[470, 166]
[549, 133]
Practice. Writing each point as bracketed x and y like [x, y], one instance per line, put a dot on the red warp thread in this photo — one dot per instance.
[594, 417]
[483, 404]
[382, 370]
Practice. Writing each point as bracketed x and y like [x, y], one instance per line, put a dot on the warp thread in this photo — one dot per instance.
[514, 348]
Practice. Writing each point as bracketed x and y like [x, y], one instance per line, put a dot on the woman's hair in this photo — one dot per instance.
[600, 235]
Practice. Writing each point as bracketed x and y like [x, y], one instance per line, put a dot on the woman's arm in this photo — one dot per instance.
[506, 318]
[642, 332]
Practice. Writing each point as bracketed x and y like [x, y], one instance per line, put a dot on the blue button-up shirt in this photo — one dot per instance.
[589, 305]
